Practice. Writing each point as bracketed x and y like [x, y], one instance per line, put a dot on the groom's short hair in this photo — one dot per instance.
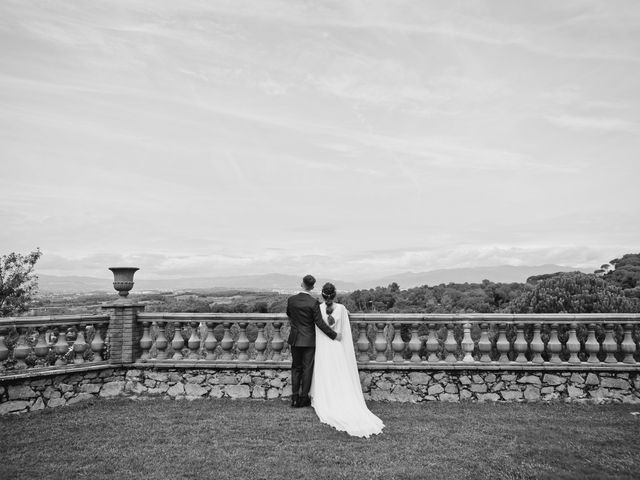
[309, 281]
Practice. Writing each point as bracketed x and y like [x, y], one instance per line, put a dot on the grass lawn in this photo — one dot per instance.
[222, 439]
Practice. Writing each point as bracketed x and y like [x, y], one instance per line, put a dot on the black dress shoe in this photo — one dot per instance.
[294, 400]
[305, 401]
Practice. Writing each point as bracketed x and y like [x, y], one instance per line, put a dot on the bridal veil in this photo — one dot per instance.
[336, 393]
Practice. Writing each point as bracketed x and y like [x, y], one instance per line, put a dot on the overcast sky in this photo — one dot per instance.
[349, 139]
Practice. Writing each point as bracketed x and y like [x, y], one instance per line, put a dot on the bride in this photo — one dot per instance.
[336, 393]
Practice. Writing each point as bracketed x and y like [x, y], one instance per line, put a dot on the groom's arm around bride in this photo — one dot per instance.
[303, 310]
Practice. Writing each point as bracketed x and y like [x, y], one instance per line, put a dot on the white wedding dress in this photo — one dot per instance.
[336, 393]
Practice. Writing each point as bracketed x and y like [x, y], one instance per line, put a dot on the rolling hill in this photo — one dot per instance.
[290, 283]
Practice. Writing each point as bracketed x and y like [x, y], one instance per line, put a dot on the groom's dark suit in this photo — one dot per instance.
[304, 314]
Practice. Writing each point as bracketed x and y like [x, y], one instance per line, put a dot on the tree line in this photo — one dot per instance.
[613, 288]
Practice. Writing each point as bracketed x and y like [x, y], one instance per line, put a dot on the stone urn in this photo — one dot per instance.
[123, 279]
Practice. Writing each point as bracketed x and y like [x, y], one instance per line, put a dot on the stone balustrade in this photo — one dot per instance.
[403, 341]
[218, 339]
[53, 361]
[52, 343]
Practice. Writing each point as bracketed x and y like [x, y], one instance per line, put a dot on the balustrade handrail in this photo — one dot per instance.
[421, 340]
[493, 318]
[507, 318]
[212, 317]
[51, 343]
[52, 320]
[46, 320]
[452, 339]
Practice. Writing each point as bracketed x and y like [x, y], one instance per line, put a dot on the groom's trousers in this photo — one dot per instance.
[302, 369]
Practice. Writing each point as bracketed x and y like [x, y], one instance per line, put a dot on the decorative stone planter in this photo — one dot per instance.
[123, 279]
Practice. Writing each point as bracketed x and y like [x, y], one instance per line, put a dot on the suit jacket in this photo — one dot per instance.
[303, 311]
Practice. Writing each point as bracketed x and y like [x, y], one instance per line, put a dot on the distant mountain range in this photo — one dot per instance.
[276, 281]
[271, 281]
[498, 274]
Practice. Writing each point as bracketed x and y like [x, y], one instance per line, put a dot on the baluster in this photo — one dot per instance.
[520, 345]
[261, 343]
[467, 343]
[227, 342]
[243, 342]
[277, 343]
[97, 344]
[363, 343]
[80, 345]
[161, 341]
[573, 344]
[21, 349]
[397, 344]
[628, 346]
[210, 342]
[72, 336]
[62, 346]
[194, 341]
[537, 345]
[432, 345]
[145, 342]
[381, 343]
[610, 346]
[554, 347]
[592, 346]
[177, 343]
[415, 344]
[42, 347]
[484, 344]
[502, 344]
[4, 351]
[450, 344]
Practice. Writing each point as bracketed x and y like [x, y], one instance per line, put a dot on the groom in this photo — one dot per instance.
[303, 311]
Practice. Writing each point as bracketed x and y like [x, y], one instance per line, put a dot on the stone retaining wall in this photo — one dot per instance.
[33, 394]
[501, 386]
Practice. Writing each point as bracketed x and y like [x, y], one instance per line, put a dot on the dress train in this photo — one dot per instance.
[336, 392]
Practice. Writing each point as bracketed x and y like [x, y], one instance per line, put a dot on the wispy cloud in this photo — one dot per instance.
[339, 166]
[192, 138]
[366, 264]
[604, 124]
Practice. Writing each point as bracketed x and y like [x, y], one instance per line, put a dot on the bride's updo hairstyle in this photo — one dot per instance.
[328, 291]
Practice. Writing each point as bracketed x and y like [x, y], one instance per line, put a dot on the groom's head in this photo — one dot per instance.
[308, 282]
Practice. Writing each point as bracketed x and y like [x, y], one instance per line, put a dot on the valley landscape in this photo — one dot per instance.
[462, 290]
[52, 284]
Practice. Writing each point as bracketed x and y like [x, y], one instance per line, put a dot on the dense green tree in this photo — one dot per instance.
[241, 308]
[279, 305]
[502, 294]
[485, 297]
[18, 282]
[573, 292]
[626, 271]
[260, 307]
[190, 305]
[220, 308]
[545, 276]
[379, 299]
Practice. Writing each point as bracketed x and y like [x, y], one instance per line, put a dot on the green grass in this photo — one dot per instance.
[267, 440]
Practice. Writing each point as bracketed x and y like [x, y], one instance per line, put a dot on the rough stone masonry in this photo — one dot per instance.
[32, 394]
